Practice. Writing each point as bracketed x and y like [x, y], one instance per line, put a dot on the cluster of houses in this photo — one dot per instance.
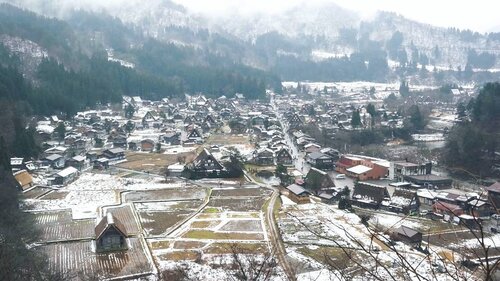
[98, 138]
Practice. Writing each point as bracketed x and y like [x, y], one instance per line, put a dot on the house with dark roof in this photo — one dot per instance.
[206, 165]
[320, 160]
[494, 196]
[110, 235]
[56, 161]
[317, 180]
[408, 235]
[447, 209]
[24, 179]
[367, 195]
[195, 136]
[77, 161]
[402, 201]
[147, 145]
[114, 153]
[295, 121]
[297, 194]
[264, 156]
[284, 157]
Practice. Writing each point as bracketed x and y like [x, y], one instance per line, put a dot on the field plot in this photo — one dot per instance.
[239, 192]
[246, 204]
[243, 226]
[35, 192]
[166, 194]
[466, 242]
[59, 226]
[226, 139]
[54, 195]
[79, 258]
[152, 162]
[315, 233]
[157, 223]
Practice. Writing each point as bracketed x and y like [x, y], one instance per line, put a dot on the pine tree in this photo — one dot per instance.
[355, 119]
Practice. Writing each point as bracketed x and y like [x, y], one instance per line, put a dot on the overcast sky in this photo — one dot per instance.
[479, 15]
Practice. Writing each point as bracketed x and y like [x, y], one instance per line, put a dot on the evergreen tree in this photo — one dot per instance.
[355, 119]
[60, 130]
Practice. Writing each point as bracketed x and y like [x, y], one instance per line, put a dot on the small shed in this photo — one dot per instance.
[298, 194]
[24, 179]
[111, 235]
[65, 176]
[408, 235]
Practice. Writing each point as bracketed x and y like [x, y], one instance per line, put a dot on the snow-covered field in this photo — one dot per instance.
[325, 225]
[91, 191]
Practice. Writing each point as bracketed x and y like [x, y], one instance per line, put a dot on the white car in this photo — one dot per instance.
[340, 176]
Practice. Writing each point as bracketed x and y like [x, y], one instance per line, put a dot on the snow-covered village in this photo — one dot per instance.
[231, 140]
[150, 189]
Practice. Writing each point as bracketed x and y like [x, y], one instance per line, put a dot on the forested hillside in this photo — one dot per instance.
[472, 144]
[75, 71]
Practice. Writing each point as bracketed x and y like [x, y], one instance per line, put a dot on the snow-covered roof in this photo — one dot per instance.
[359, 169]
[66, 172]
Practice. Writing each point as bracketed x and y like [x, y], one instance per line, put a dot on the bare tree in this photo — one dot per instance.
[474, 262]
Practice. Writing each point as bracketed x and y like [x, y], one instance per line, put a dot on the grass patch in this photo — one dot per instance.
[243, 215]
[226, 248]
[205, 224]
[180, 256]
[210, 235]
[323, 254]
[211, 210]
[181, 245]
[156, 245]
[209, 216]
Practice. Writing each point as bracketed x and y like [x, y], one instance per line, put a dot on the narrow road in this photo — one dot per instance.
[275, 238]
[274, 235]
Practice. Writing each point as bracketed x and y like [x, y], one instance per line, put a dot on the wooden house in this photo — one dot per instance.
[65, 176]
[173, 138]
[147, 145]
[494, 196]
[284, 157]
[317, 180]
[195, 136]
[402, 201]
[77, 162]
[367, 195]
[206, 162]
[55, 161]
[114, 153]
[111, 235]
[264, 156]
[408, 236]
[24, 179]
[320, 160]
[298, 194]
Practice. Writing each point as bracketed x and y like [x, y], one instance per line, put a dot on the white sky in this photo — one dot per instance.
[479, 15]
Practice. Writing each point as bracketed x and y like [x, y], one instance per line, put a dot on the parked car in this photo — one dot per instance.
[340, 176]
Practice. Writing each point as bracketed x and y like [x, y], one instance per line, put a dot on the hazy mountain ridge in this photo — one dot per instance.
[307, 33]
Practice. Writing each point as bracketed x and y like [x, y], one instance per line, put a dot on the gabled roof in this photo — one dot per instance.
[317, 179]
[359, 169]
[297, 189]
[318, 155]
[66, 172]
[23, 178]
[107, 222]
[364, 190]
[494, 187]
[53, 157]
[408, 232]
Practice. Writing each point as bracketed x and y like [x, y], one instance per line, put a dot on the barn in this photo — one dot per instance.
[111, 235]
